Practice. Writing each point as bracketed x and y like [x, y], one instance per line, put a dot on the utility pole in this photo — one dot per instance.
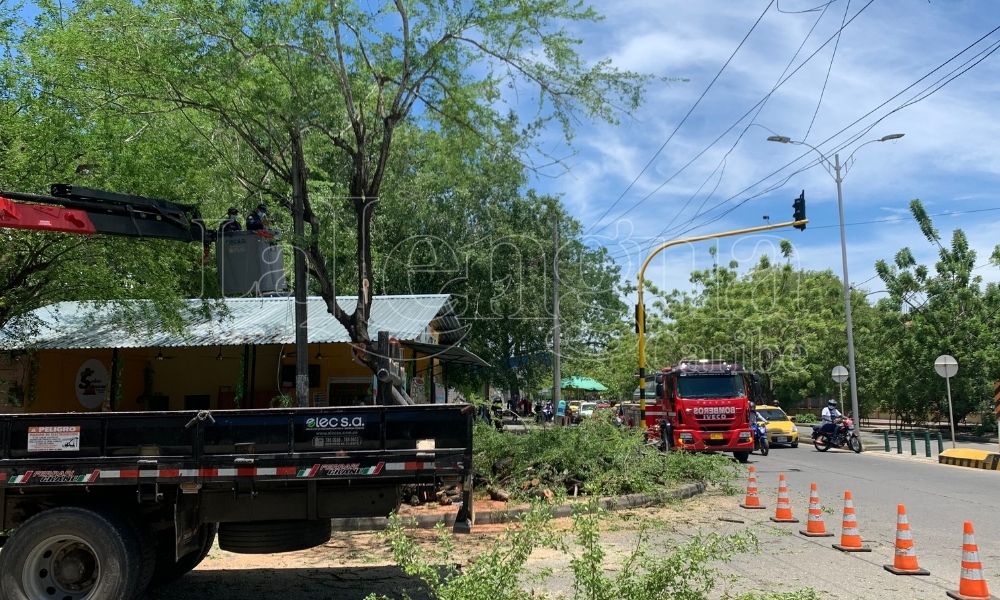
[301, 326]
[556, 358]
[851, 365]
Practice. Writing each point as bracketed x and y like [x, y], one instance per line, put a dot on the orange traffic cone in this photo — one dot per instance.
[783, 511]
[815, 527]
[971, 584]
[905, 562]
[850, 539]
[752, 500]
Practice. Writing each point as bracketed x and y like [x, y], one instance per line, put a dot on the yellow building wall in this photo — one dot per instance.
[56, 379]
[187, 371]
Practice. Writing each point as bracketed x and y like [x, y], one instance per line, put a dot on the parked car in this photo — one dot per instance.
[780, 429]
[587, 409]
[573, 411]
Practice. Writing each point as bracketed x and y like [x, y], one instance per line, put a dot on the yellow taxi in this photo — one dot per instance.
[780, 429]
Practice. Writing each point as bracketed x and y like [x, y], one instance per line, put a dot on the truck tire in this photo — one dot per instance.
[145, 554]
[743, 457]
[168, 568]
[71, 553]
[265, 537]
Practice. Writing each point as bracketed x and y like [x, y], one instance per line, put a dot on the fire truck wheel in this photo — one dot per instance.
[167, 568]
[71, 553]
[743, 457]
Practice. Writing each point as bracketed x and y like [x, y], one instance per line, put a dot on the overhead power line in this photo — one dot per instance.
[901, 219]
[922, 95]
[729, 129]
[759, 107]
[685, 118]
[829, 68]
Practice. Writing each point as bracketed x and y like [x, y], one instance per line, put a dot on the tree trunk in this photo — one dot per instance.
[364, 211]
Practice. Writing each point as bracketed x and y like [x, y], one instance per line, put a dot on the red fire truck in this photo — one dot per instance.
[701, 406]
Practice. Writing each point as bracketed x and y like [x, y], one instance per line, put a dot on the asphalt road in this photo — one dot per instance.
[938, 499]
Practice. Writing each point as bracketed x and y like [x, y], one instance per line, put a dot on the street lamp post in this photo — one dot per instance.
[837, 174]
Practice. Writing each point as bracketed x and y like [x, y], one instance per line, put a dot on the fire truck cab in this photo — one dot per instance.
[704, 406]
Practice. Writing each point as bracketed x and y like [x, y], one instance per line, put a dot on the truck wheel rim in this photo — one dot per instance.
[62, 567]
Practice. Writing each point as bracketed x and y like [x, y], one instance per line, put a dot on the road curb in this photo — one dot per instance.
[973, 459]
[493, 517]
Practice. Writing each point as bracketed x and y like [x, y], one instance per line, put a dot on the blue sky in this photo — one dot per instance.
[949, 158]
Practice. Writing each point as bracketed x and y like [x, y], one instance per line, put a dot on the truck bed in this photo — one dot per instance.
[390, 444]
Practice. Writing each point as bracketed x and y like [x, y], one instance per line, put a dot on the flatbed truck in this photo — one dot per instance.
[101, 506]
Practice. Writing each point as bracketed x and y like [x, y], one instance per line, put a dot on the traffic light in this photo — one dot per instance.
[799, 210]
[645, 326]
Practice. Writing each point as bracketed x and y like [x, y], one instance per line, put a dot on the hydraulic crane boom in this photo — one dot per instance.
[74, 209]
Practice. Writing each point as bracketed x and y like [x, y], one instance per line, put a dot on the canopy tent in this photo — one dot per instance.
[579, 388]
[585, 384]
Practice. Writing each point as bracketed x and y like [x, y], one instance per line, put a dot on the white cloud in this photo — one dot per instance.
[949, 157]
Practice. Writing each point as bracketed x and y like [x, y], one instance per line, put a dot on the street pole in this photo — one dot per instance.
[640, 317]
[951, 416]
[852, 372]
[301, 325]
[556, 362]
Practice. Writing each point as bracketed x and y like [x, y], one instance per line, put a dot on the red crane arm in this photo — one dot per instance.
[20, 215]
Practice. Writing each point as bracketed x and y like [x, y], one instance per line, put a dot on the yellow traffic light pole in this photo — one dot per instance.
[641, 308]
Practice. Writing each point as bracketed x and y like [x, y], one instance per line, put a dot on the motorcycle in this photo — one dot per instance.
[844, 436]
[759, 431]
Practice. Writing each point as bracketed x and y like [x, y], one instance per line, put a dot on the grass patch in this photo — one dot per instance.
[687, 571]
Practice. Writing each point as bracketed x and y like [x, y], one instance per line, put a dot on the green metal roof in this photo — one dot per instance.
[237, 321]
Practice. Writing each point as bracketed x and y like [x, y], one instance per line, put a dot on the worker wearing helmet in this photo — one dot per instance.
[257, 220]
[231, 222]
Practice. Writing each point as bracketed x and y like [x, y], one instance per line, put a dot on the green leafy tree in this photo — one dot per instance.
[45, 137]
[944, 309]
[315, 92]
[783, 323]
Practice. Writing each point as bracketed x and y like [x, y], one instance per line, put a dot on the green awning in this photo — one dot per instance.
[585, 384]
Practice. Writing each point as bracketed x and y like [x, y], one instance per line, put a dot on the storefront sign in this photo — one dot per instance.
[91, 383]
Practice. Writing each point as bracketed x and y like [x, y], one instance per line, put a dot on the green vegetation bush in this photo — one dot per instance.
[806, 418]
[595, 458]
[649, 572]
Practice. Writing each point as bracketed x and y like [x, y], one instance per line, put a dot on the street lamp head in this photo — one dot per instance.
[891, 136]
[784, 139]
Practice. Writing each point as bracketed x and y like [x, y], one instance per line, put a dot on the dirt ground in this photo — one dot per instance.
[353, 565]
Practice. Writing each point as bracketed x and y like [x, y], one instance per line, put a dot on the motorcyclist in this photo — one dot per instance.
[829, 417]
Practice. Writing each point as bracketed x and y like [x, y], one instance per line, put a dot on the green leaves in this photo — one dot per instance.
[944, 309]
[785, 324]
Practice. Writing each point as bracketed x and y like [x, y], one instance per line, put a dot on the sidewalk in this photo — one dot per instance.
[874, 441]
[879, 425]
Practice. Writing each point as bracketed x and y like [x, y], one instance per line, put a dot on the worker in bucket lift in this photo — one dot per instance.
[258, 220]
[231, 222]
